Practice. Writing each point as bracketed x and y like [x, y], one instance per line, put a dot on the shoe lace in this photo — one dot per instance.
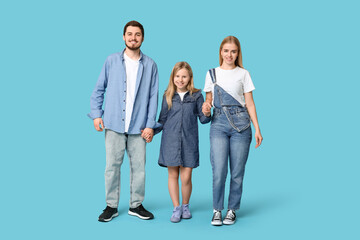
[186, 208]
[230, 214]
[177, 212]
[217, 215]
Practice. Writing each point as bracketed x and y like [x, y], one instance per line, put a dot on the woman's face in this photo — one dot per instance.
[229, 53]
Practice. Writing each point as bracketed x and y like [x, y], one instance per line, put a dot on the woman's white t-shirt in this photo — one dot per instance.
[236, 82]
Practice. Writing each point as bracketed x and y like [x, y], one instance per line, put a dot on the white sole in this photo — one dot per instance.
[216, 223]
[137, 215]
[109, 219]
[228, 223]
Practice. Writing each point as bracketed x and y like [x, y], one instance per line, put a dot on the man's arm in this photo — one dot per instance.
[148, 132]
[97, 98]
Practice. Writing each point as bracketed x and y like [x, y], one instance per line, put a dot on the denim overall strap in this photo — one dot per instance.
[224, 102]
[212, 75]
[216, 101]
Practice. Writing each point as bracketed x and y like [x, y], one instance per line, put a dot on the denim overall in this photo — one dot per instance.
[230, 138]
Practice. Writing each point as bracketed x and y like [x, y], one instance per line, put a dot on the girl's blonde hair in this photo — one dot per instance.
[232, 39]
[170, 91]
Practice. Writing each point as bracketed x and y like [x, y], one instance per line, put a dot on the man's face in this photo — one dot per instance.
[133, 38]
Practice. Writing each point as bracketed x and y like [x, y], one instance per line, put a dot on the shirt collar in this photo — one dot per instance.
[123, 52]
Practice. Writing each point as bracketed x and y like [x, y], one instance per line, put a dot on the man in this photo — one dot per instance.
[130, 80]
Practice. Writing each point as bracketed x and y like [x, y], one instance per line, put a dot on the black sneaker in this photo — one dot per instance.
[140, 212]
[230, 217]
[216, 220]
[108, 214]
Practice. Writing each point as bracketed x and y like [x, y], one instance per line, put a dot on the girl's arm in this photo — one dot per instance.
[206, 107]
[162, 117]
[250, 105]
[199, 104]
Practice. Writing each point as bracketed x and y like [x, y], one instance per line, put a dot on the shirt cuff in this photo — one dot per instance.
[95, 114]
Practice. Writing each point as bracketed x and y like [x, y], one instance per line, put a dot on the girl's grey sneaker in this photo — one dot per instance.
[108, 214]
[186, 211]
[230, 217]
[176, 215]
[216, 220]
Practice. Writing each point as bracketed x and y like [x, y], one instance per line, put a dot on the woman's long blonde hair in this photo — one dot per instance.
[170, 91]
[232, 39]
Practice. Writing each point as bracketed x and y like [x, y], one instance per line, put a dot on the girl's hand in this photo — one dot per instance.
[206, 109]
[258, 139]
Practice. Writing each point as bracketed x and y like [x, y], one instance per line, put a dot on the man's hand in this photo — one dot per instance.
[99, 124]
[147, 134]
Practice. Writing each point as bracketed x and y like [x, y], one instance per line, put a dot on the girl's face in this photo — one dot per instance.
[181, 80]
[229, 53]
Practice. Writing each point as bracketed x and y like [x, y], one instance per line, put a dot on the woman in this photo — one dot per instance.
[229, 89]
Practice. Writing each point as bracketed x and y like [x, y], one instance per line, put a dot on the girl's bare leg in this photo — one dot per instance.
[173, 184]
[186, 185]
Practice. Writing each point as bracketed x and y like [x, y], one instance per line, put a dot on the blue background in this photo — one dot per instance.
[302, 183]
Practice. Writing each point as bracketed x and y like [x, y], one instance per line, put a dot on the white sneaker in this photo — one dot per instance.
[230, 217]
[216, 220]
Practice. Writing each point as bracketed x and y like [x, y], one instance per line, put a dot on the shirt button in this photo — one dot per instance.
[123, 119]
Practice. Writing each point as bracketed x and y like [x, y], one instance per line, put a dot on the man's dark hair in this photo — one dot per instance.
[134, 24]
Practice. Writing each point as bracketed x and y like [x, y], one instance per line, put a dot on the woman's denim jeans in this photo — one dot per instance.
[225, 143]
[116, 144]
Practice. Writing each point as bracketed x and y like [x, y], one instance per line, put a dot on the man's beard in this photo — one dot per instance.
[133, 48]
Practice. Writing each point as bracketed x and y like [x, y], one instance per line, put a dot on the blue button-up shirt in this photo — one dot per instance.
[112, 79]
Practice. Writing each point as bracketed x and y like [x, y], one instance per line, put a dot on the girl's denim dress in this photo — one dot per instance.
[180, 138]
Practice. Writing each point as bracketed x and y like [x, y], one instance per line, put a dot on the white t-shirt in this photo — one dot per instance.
[132, 67]
[236, 82]
[182, 94]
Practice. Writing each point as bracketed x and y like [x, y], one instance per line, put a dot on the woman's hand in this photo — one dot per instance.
[258, 139]
[206, 109]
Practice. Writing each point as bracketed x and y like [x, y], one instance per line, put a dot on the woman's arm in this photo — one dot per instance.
[250, 105]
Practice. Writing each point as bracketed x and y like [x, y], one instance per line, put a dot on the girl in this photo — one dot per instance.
[179, 151]
[229, 89]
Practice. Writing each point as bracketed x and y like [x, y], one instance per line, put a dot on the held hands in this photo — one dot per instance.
[147, 134]
[258, 138]
[99, 124]
[206, 109]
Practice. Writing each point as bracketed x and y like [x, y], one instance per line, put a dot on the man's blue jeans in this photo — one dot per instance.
[116, 144]
[228, 144]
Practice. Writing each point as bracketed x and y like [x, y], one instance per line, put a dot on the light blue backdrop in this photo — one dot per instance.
[303, 56]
